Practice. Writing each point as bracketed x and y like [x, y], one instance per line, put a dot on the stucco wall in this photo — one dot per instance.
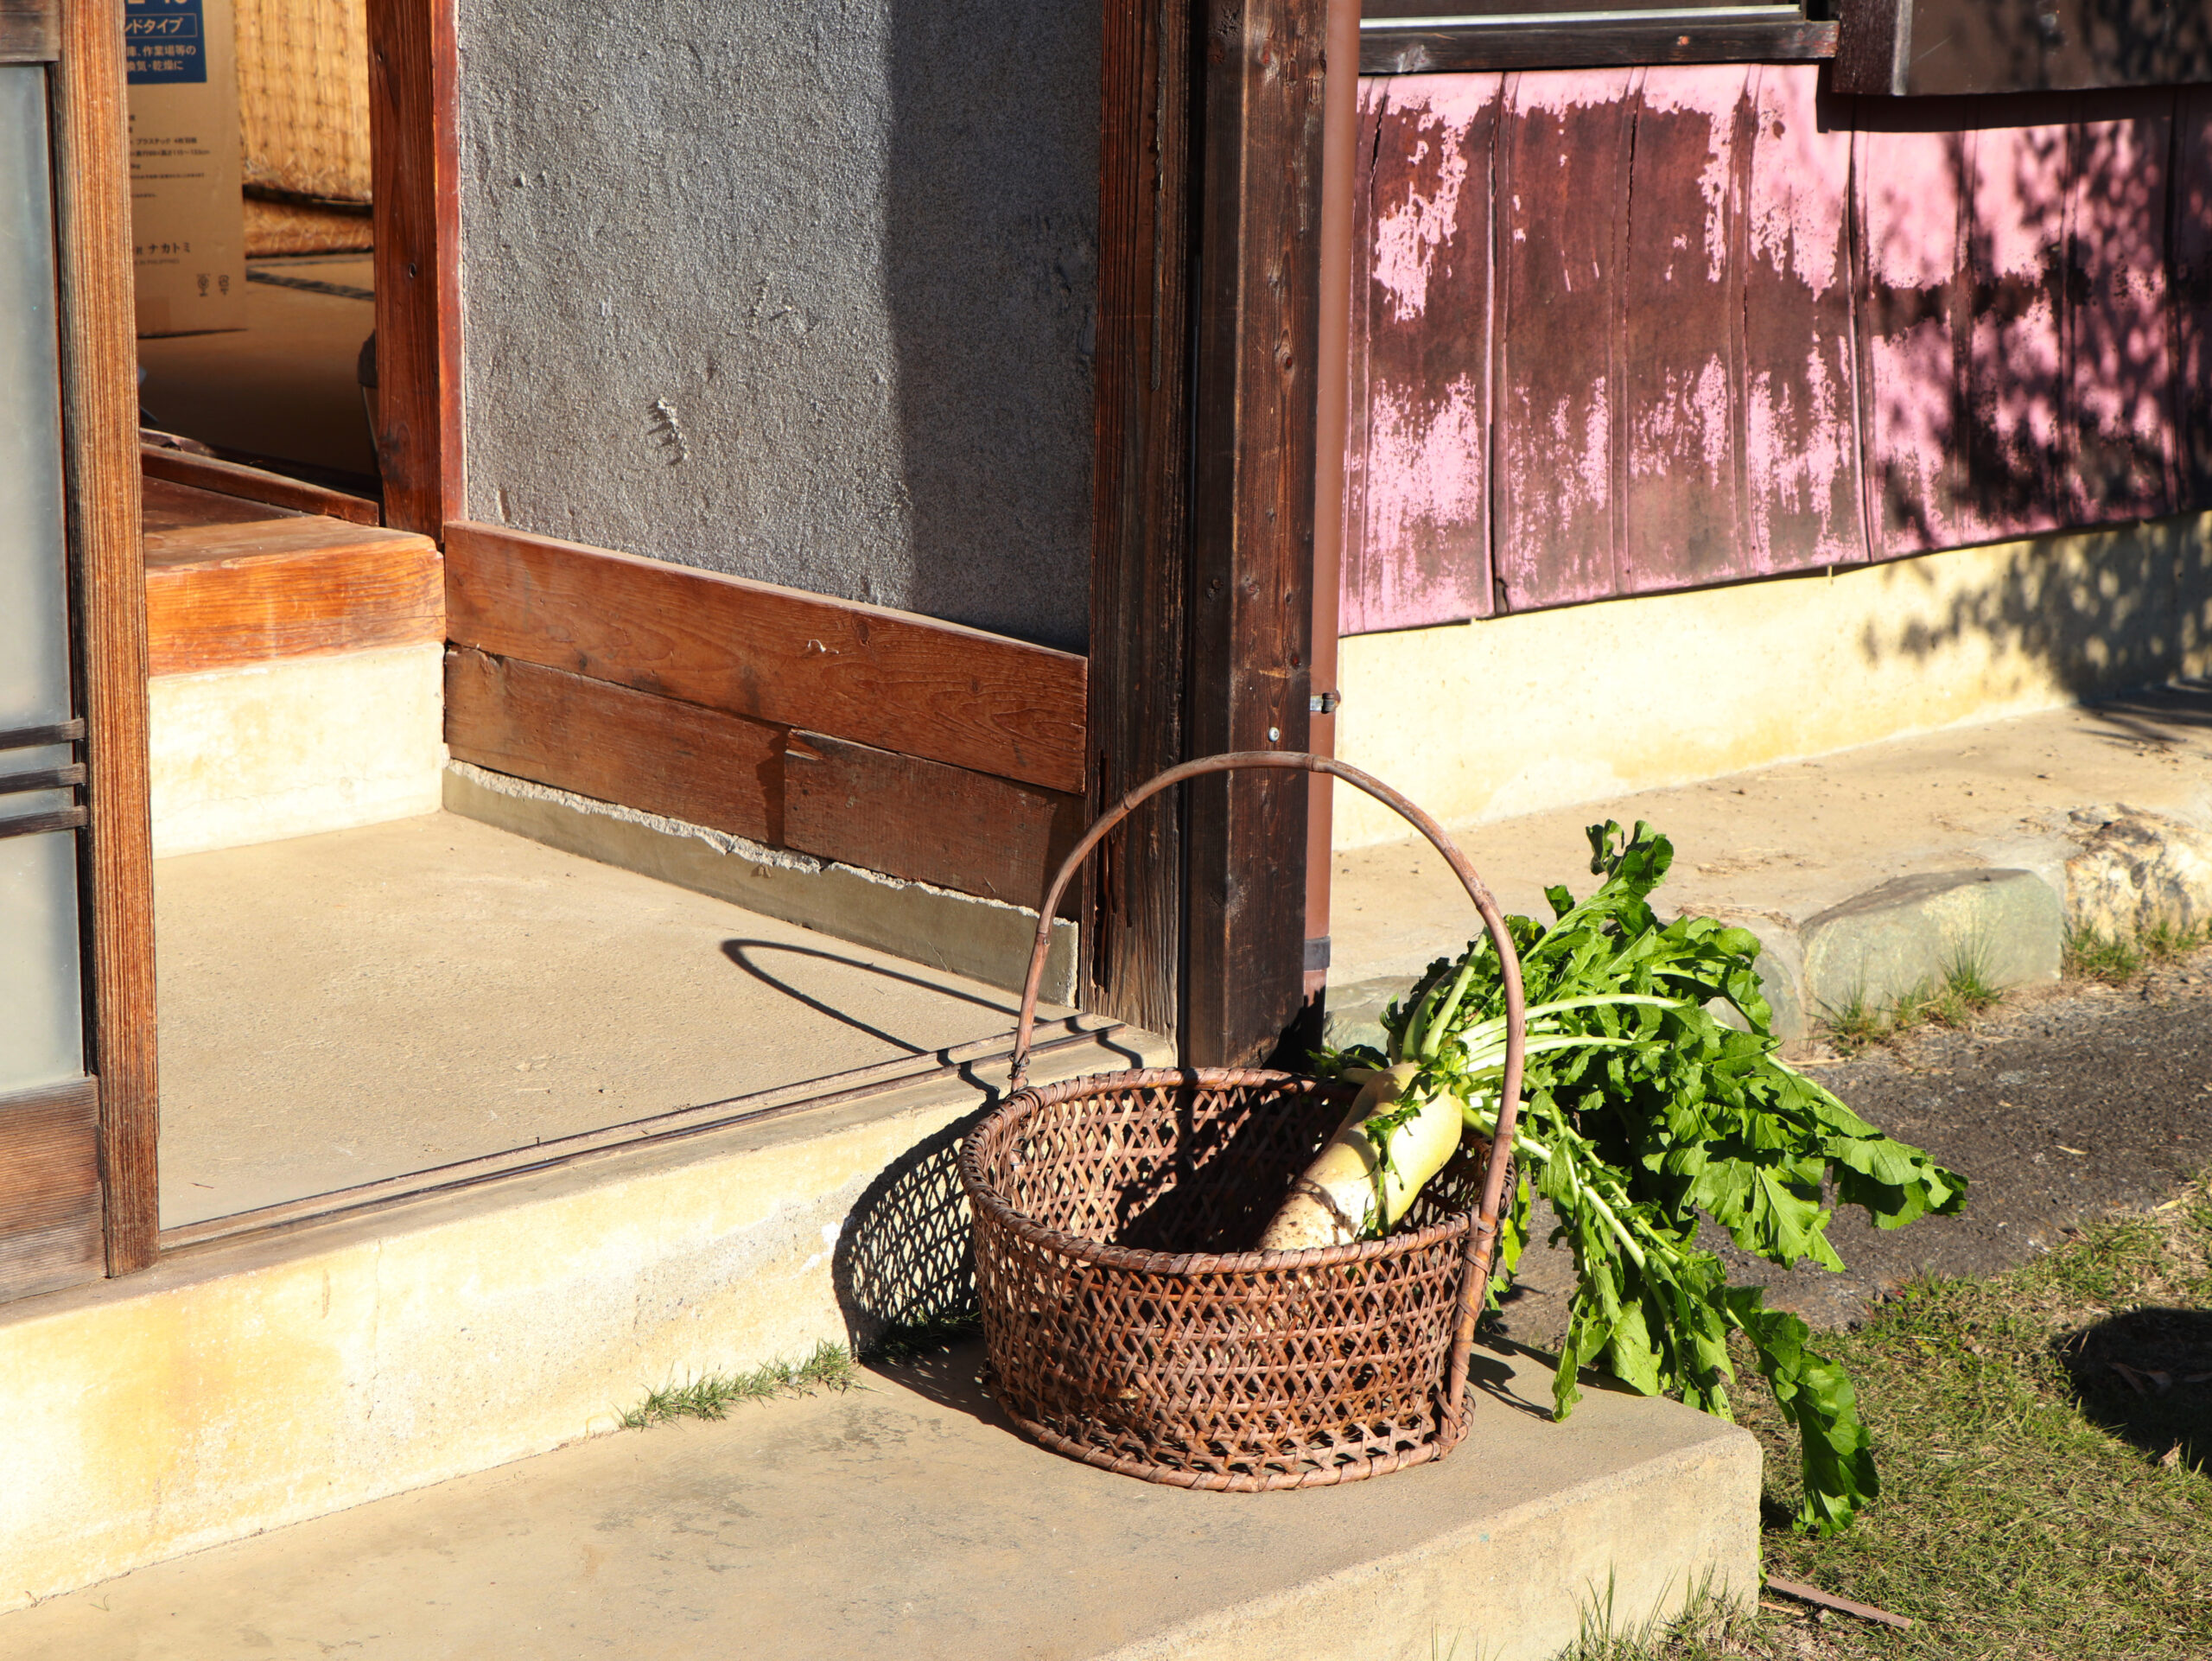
[800, 290]
[1515, 715]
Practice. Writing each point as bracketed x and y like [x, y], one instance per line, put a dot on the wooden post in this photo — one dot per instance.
[1339, 145]
[99, 421]
[415, 160]
[1132, 899]
[1203, 577]
[1252, 519]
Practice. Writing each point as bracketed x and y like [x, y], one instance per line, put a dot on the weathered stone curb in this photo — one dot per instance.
[1909, 935]
[2135, 871]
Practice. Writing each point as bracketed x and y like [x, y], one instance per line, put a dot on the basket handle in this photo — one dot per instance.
[1509, 962]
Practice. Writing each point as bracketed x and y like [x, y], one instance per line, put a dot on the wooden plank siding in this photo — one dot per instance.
[2191, 289]
[864, 673]
[1735, 326]
[1417, 491]
[887, 741]
[657, 754]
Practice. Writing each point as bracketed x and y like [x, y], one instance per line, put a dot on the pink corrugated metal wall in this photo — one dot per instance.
[1633, 330]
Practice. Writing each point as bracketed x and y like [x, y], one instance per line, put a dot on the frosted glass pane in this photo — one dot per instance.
[34, 620]
[41, 1021]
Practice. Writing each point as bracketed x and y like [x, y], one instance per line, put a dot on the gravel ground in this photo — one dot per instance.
[2060, 1104]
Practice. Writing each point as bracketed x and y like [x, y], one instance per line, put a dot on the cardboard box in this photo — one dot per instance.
[187, 217]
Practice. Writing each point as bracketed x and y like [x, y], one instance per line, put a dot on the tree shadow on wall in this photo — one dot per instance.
[2035, 304]
[990, 273]
[2133, 613]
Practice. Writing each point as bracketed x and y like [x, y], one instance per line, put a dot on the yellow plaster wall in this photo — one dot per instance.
[1515, 715]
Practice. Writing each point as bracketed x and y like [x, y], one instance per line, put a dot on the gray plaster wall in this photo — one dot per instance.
[800, 290]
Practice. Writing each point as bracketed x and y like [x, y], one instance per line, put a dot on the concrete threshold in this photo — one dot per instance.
[986, 940]
[907, 1519]
[1868, 874]
[259, 1380]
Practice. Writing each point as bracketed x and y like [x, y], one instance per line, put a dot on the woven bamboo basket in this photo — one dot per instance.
[1127, 1325]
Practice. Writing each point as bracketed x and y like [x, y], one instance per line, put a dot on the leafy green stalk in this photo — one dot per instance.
[1643, 1111]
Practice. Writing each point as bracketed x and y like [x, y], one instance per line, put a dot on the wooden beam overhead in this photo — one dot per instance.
[1434, 45]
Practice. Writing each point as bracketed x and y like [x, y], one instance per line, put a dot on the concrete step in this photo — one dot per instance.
[907, 1519]
[1867, 874]
[487, 1315]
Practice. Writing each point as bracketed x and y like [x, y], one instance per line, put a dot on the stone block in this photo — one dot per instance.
[1908, 935]
[2139, 871]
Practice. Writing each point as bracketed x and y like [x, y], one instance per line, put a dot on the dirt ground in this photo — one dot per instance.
[2062, 1102]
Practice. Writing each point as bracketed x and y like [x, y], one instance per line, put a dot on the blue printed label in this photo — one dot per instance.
[165, 43]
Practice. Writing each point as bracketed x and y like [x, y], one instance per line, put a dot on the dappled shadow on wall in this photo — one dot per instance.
[2034, 311]
[2094, 619]
[2145, 1375]
[990, 274]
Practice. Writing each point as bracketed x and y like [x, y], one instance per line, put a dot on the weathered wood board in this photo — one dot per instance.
[1727, 325]
[875, 676]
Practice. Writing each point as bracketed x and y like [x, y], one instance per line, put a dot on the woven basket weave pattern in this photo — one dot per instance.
[1130, 1327]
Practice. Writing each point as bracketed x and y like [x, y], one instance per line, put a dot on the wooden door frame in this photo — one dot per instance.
[1203, 592]
[99, 425]
[414, 148]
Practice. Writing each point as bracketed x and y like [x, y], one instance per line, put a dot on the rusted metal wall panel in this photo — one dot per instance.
[1419, 528]
[1564, 144]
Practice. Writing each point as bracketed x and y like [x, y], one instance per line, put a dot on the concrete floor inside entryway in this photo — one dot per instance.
[340, 1009]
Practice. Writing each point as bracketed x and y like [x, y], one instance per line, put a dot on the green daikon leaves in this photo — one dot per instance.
[1653, 1097]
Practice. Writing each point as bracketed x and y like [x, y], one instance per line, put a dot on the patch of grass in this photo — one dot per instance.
[1963, 992]
[1708, 1627]
[710, 1397]
[2035, 1503]
[1854, 1024]
[2094, 955]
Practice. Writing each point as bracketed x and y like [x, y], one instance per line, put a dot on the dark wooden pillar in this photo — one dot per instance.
[1252, 519]
[1202, 596]
[415, 160]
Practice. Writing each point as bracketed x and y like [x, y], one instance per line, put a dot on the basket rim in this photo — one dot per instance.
[1031, 1098]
